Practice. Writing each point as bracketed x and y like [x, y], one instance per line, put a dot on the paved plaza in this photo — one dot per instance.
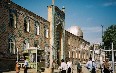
[84, 70]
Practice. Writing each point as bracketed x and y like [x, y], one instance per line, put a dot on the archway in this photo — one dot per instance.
[58, 38]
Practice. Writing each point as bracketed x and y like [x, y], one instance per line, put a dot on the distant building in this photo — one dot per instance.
[76, 47]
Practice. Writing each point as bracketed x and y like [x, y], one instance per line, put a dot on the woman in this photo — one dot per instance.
[17, 67]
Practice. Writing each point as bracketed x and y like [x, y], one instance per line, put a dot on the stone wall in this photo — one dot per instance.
[76, 47]
[18, 33]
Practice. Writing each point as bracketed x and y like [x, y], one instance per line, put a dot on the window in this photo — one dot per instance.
[12, 20]
[37, 28]
[26, 24]
[26, 45]
[46, 32]
[12, 45]
[36, 43]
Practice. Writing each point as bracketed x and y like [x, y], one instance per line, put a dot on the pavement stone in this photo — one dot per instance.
[84, 70]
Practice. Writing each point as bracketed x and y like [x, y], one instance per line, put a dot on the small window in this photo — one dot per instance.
[37, 28]
[12, 45]
[26, 45]
[13, 20]
[46, 32]
[26, 24]
[36, 43]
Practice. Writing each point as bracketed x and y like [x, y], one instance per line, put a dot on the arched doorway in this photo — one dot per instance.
[58, 38]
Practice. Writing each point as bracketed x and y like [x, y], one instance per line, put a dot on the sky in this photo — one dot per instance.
[89, 15]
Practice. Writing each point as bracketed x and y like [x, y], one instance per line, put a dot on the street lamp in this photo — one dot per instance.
[101, 46]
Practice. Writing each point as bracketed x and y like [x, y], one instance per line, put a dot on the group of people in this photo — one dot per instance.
[66, 67]
[105, 66]
[25, 66]
[91, 66]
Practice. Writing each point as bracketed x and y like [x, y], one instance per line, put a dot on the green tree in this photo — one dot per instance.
[109, 37]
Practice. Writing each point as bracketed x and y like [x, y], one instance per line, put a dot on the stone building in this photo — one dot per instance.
[21, 29]
[76, 47]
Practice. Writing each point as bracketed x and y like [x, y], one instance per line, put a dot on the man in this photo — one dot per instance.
[63, 66]
[69, 64]
[106, 66]
[79, 67]
[25, 65]
[91, 66]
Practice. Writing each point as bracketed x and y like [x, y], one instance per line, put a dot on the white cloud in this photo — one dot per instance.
[109, 4]
[95, 40]
[91, 29]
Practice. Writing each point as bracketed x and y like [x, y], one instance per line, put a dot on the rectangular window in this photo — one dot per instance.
[26, 24]
[37, 28]
[12, 46]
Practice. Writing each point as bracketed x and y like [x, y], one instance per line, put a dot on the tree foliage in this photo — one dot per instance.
[109, 37]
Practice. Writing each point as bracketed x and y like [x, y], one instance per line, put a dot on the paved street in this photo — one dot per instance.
[84, 70]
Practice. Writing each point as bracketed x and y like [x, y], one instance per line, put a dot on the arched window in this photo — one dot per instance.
[13, 20]
[26, 24]
[11, 42]
[37, 28]
[25, 44]
[46, 31]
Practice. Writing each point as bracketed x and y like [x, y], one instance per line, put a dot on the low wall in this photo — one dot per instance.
[7, 64]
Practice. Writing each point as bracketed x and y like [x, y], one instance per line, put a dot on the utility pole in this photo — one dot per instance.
[112, 58]
[101, 50]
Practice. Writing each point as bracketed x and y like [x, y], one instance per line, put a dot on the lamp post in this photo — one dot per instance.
[100, 49]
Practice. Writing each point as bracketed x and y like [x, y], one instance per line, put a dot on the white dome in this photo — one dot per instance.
[76, 31]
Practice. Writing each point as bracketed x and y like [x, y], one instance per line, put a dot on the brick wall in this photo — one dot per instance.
[18, 33]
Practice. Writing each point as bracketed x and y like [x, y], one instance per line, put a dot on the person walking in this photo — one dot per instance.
[25, 65]
[106, 66]
[69, 65]
[63, 66]
[79, 67]
[91, 66]
[53, 66]
[17, 67]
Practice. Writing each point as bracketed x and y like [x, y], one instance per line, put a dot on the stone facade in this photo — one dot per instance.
[21, 29]
[76, 47]
[56, 17]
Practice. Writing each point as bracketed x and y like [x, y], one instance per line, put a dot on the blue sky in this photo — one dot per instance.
[87, 14]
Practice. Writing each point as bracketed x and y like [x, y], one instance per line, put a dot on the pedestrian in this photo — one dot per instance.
[17, 67]
[91, 66]
[69, 65]
[79, 67]
[53, 66]
[25, 65]
[63, 66]
[106, 66]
